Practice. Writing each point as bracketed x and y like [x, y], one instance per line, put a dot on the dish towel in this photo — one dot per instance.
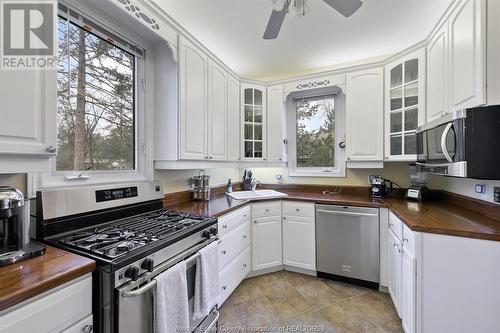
[172, 311]
[206, 290]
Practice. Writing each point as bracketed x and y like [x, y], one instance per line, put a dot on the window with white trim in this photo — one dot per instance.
[101, 116]
[317, 122]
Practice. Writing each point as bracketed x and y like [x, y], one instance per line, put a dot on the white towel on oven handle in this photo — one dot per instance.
[172, 307]
[206, 290]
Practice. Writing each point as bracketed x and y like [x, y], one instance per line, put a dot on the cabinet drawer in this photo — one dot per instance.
[229, 221]
[233, 274]
[266, 209]
[409, 239]
[51, 313]
[396, 225]
[83, 326]
[298, 209]
[233, 243]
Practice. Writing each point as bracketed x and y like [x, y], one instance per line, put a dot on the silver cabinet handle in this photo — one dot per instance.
[210, 158]
[244, 236]
[284, 217]
[224, 226]
[405, 239]
[52, 149]
[87, 328]
[267, 210]
[244, 265]
[245, 215]
[255, 221]
[224, 287]
[224, 252]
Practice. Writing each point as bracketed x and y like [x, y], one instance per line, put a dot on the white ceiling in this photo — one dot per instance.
[233, 29]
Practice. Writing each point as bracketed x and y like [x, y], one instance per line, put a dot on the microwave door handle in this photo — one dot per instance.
[443, 142]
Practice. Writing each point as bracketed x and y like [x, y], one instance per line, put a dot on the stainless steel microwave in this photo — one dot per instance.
[464, 143]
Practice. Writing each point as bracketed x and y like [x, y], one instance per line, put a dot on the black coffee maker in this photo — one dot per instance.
[15, 244]
[380, 186]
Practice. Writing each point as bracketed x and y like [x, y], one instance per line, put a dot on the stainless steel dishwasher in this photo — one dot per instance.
[347, 244]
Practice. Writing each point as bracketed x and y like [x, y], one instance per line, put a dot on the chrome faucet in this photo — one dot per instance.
[254, 184]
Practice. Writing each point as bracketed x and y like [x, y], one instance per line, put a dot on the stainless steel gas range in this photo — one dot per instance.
[133, 239]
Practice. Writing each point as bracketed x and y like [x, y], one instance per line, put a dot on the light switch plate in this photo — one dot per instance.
[481, 189]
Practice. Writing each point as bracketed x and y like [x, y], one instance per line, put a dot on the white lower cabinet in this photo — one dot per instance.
[234, 243]
[299, 235]
[85, 325]
[394, 250]
[55, 311]
[266, 235]
[402, 272]
[233, 274]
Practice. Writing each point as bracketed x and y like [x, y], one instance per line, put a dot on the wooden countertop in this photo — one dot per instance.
[439, 217]
[29, 278]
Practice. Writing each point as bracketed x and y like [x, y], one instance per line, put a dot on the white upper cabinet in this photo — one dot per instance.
[28, 126]
[365, 116]
[467, 55]
[233, 119]
[276, 125]
[253, 124]
[456, 58]
[404, 105]
[193, 64]
[217, 112]
[437, 74]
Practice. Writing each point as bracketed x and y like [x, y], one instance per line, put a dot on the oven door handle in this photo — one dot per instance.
[140, 291]
[206, 328]
[443, 142]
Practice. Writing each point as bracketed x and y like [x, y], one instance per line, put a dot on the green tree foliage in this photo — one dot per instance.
[95, 102]
[316, 132]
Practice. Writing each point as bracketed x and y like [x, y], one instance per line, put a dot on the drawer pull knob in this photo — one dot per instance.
[223, 287]
[224, 226]
[244, 236]
[298, 210]
[405, 239]
[87, 328]
[245, 215]
[284, 217]
[255, 221]
[223, 251]
[267, 210]
[244, 265]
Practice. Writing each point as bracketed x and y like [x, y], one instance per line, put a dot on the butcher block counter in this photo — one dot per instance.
[32, 277]
[452, 214]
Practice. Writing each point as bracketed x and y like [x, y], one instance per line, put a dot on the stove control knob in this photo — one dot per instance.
[213, 231]
[206, 234]
[132, 272]
[148, 264]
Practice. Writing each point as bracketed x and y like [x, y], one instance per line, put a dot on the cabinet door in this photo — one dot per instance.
[437, 74]
[408, 291]
[217, 112]
[233, 119]
[404, 106]
[467, 55]
[266, 242]
[192, 101]
[28, 125]
[276, 124]
[365, 114]
[299, 243]
[394, 269]
[254, 122]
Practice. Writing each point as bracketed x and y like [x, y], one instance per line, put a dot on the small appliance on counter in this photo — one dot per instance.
[201, 187]
[380, 186]
[418, 190]
[15, 244]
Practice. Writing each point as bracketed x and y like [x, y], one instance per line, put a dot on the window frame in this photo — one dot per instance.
[143, 105]
[340, 160]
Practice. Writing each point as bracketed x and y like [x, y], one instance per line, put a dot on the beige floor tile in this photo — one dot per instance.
[318, 294]
[289, 305]
[228, 320]
[309, 322]
[393, 326]
[344, 290]
[373, 307]
[344, 317]
[257, 313]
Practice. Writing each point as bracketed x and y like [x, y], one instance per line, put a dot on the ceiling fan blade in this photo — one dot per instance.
[345, 7]
[275, 21]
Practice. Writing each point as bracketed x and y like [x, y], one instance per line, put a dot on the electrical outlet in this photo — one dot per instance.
[481, 189]
[496, 194]
[279, 178]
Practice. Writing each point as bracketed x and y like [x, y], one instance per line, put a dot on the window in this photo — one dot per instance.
[103, 104]
[96, 102]
[317, 122]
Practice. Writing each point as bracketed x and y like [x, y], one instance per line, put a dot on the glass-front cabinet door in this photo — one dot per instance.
[254, 122]
[404, 107]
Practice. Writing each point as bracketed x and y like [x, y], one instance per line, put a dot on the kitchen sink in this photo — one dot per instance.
[256, 195]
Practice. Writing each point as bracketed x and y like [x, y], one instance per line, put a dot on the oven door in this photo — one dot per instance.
[136, 299]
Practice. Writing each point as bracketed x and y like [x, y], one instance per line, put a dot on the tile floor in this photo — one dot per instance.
[291, 302]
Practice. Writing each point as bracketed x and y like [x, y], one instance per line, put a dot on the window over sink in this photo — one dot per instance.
[318, 126]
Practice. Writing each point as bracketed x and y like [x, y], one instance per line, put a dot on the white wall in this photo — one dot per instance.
[464, 186]
[16, 180]
[177, 180]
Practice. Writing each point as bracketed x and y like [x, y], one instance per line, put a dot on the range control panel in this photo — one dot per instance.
[116, 193]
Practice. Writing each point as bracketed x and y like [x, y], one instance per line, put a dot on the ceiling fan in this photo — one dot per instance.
[344, 7]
